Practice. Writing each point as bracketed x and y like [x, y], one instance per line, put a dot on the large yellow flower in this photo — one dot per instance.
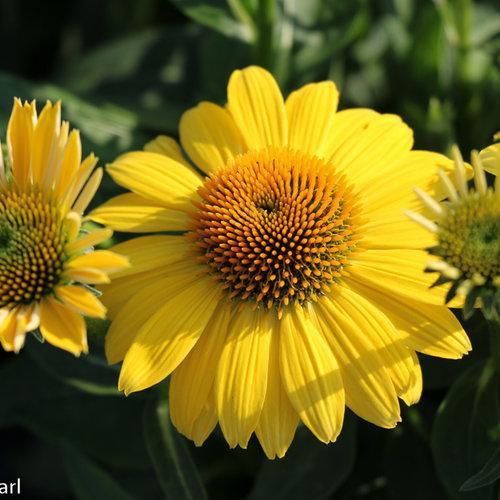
[296, 287]
[46, 264]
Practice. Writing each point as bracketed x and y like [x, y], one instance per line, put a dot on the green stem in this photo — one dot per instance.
[265, 35]
[494, 327]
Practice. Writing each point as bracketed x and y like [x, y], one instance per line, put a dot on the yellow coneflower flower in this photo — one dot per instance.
[46, 263]
[467, 234]
[296, 287]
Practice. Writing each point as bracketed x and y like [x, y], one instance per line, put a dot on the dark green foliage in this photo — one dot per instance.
[125, 71]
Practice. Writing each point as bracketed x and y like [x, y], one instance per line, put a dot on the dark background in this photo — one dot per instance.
[125, 71]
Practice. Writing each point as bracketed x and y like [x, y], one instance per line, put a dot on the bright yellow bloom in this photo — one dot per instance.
[467, 234]
[46, 264]
[296, 287]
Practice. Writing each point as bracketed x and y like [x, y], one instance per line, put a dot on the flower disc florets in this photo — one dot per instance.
[469, 235]
[31, 248]
[276, 226]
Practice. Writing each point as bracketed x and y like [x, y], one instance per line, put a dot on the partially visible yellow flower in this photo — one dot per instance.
[490, 156]
[467, 234]
[47, 263]
[295, 287]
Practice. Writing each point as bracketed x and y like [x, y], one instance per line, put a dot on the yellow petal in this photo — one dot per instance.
[156, 177]
[311, 111]
[120, 290]
[132, 213]
[151, 252]
[86, 275]
[205, 422]
[490, 158]
[167, 146]
[427, 328]
[311, 376]
[192, 382]
[347, 124]
[382, 340]
[391, 189]
[241, 380]
[103, 260]
[19, 140]
[168, 336]
[45, 136]
[62, 327]
[372, 147]
[142, 301]
[81, 300]
[278, 419]
[395, 230]
[397, 271]
[256, 104]
[210, 136]
[8, 329]
[89, 240]
[70, 165]
[369, 390]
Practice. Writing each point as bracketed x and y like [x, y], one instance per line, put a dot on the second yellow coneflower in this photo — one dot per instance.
[46, 263]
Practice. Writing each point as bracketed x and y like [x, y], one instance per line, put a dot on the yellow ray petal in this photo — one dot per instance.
[256, 104]
[278, 419]
[103, 260]
[369, 390]
[347, 124]
[9, 330]
[62, 327]
[88, 276]
[151, 252]
[391, 189]
[311, 111]
[167, 146]
[89, 240]
[81, 300]
[88, 192]
[45, 138]
[398, 271]
[395, 230]
[241, 381]
[490, 158]
[382, 341]
[192, 382]
[372, 147]
[120, 290]
[168, 336]
[429, 329]
[20, 139]
[132, 213]
[210, 136]
[141, 303]
[311, 376]
[156, 177]
[206, 421]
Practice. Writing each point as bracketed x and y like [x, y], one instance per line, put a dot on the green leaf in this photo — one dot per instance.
[217, 17]
[174, 467]
[107, 428]
[89, 373]
[466, 430]
[486, 476]
[310, 469]
[88, 480]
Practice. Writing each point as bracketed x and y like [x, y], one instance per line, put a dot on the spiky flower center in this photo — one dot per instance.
[469, 235]
[275, 226]
[31, 248]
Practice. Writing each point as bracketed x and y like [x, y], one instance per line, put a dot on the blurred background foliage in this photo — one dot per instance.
[125, 71]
